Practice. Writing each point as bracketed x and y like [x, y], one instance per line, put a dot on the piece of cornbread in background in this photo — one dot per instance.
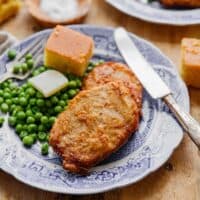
[8, 8]
[190, 69]
[68, 51]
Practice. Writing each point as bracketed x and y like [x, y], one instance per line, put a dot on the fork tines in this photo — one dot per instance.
[32, 48]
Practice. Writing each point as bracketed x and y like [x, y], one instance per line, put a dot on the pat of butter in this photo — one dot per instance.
[49, 82]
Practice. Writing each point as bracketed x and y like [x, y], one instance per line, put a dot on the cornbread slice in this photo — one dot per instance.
[68, 50]
[190, 68]
[8, 8]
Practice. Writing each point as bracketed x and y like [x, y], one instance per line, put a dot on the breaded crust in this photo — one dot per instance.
[96, 123]
[181, 3]
[113, 71]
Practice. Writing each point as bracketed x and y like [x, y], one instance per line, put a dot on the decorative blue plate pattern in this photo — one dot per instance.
[155, 12]
[146, 151]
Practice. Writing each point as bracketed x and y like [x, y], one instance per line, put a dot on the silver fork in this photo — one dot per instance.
[35, 49]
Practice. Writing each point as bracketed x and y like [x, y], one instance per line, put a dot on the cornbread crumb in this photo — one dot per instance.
[190, 69]
[68, 50]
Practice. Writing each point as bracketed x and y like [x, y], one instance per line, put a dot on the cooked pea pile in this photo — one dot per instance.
[30, 113]
[22, 68]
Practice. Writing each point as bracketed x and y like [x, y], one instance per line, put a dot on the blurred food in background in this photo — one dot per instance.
[50, 13]
[9, 8]
[190, 61]
[56, 11]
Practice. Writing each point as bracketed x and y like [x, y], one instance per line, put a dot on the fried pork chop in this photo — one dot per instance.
[96, 123]
[113, 71]
[181, 3]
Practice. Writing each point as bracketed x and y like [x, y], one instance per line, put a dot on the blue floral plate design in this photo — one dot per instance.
[155, 12]
[149, 148]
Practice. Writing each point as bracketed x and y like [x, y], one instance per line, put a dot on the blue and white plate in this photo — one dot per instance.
[149, 148]
[155, 12]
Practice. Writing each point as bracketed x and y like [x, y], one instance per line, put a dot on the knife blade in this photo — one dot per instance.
[142, 69]
[154, 85]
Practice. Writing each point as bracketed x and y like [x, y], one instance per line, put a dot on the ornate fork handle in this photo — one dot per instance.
[191, 126]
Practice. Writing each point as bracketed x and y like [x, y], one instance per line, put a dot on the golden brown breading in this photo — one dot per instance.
[113, 71]
[96, 123]
[181, 3]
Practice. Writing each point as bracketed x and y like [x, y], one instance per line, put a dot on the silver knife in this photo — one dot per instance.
[152, 82]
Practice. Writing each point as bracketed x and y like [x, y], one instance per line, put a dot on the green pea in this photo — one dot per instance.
[41, 136]
[91, 64]
[52, 120]
[64, 96]
[35, 73]
[38, 116]
[32, 101]
[78, 83]
[35, 109]
[28, 56]
[25, 86]
[40, 102]
[25, 127]
[23, 134]
[44, 120]
[39, 95]
[23, 101]
[1, 121]
[15, 100]
[30, 63]
[72, 93]
[21, 115]
[72, 84]
[16, 110]
[32, 128]
[14, 93]
[90, 68]
[58, 109]
[12, 107]
[29, 113]
[16, 69]
[12, 121]
[41, 128]
[4, 107]
[7, 90]
[19, 128]
[9, 102]
[54, 100]
[5, 85]
[1, 93]
[45, 149]
[24, 68]
[7, 95]
[47, 138]
[12, 54]
[34, 136]
[41, 69]
[62, 103]
[1, 100]
[31, 92]
[30, 120]
[28, 141]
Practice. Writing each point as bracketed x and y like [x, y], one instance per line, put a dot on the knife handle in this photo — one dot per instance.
[191, 126]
